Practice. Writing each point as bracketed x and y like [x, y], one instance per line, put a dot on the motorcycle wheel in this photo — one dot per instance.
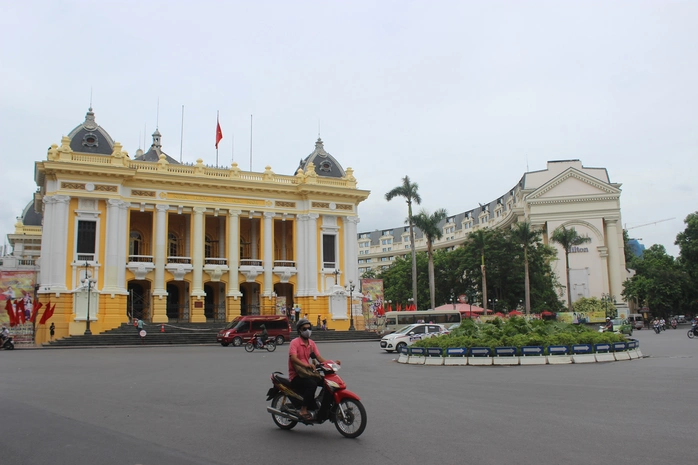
[249, 347]
[271, 347]
[352, 422]
[282, 422]
[690, 334]
[9, 346]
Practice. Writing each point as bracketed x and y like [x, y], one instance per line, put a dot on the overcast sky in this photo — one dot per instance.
[462, 96]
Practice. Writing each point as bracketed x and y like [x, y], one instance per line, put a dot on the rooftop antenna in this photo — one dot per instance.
[527, 163]
[232, 140]
[250, 142]
[157, 116]
[90, 97]
[318, 128]
[145, 131]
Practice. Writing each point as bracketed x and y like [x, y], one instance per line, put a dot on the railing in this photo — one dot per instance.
[284, 263]
[140, 258]
[101, 159]
[27, 262]
[249, 309]
[215, 312]
[85, 257]
[250, 262]
[177, 313]
[215, 261]
[329, 265]
[180, 260]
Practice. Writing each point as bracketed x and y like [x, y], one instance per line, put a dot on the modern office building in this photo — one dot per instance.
[566, 194]
[152, 238]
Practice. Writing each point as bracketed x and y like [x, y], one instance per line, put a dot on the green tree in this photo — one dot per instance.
[527, 237]
[429, 224]
[409, 191]
[479, 240]
[568, 238]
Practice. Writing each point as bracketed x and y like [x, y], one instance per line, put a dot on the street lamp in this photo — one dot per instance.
[606, 299]
[493, 304]
[410, 301]
[453, 299]
[88, 281]
[351, 305]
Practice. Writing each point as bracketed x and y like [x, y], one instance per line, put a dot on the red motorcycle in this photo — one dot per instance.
[334, 403]
[253, 344]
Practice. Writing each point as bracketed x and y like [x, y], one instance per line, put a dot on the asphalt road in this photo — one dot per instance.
[206, 405]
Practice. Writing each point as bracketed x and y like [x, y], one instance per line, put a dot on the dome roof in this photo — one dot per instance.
[30, 217]
[153, 154]
[89, 137]
[325, 164]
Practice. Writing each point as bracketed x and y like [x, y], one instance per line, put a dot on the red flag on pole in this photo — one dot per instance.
[35, 310]
[219, 133]
[48, 313]
[10, 311]
[19, 311]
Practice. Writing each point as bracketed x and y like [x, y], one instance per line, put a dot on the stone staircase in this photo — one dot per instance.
[183, 334]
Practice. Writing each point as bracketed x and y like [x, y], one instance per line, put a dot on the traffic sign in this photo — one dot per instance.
[456, 351]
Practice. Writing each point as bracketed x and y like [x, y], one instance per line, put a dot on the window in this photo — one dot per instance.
[172, 245]
[135, 246]
[329, 258]
[87, 233]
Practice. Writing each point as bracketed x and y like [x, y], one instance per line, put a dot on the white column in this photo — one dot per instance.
[47, 231]
[59, 249]
[351, 258]
[112, 264]
[234, 253]
[312, 265]
[197, 257]
[122, 257]
[614, 262]
[268, 254]
[301, 259]
[160, 256]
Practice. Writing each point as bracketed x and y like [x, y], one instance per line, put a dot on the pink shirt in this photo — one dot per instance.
[301, 350]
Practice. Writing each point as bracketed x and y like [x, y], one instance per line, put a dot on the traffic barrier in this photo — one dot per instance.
[505, 356]
[456, 356]
[532, 355]
[480, 356]
[603, 353]
[434, 356]
[417, 356]
[404, 355]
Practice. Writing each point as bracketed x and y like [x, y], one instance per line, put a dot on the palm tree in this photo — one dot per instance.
[479, 240]
[429, 225]
[568, 238]
[527, 237]
[408, 190]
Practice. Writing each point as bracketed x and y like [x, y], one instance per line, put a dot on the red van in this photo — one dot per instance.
[244, 327]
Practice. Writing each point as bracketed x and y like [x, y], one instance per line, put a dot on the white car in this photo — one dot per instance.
[407, 335]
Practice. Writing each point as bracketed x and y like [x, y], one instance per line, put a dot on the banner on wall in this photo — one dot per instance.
[18, 286]
[372, 302]
[581, 318]
[281, 305]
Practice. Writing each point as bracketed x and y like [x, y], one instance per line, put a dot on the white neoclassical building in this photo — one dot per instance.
[566, 193]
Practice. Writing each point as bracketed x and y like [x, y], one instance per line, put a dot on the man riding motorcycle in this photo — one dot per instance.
[608, 327]
[300, 352]
[4, 334]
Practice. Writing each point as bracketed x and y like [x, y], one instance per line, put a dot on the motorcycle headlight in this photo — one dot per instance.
[332, 384]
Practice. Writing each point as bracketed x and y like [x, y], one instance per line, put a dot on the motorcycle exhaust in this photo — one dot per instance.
[289, 416]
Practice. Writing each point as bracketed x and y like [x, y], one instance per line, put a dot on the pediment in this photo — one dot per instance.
[573, 183]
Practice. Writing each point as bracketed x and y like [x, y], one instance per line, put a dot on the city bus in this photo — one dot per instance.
[397, 320]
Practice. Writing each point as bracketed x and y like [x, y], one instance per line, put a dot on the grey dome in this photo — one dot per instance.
[30, 217]
[325, 164]
[89, 137]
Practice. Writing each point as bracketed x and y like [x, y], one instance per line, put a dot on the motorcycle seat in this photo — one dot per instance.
[279, 378]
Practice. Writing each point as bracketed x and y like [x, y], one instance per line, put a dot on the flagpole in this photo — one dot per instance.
[218, 123]
[250, 143]
[181, 136]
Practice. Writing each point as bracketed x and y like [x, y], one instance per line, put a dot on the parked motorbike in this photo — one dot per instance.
[693, 332]
[253, 344]
[7, 344]
[334, 403]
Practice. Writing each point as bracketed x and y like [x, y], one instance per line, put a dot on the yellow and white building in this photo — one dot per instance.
[153, 238]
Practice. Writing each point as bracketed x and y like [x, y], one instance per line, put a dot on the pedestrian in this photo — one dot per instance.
[52, 330]
[319, 322]
[324, 324]
[139, 326]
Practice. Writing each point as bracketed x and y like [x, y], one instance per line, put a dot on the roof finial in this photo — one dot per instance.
[90, 98]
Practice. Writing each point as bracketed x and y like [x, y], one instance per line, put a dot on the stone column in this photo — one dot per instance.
[197, 261]
[268, 254]
[232, 308]
[312, 253]
[112, 265]
[301, 259]
[48, 229]
[351, 264]
[160, 258]
[59, 250]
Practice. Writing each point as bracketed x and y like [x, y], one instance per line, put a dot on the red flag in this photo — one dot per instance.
[219, 133]
[10, 311]
[19, 311]
[35, 310]
[48, 313]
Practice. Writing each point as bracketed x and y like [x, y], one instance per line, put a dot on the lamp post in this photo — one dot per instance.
[453, 299]
[410, 302]
[606, 299]
[88, 281]
[493, 304]
[351, 305]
